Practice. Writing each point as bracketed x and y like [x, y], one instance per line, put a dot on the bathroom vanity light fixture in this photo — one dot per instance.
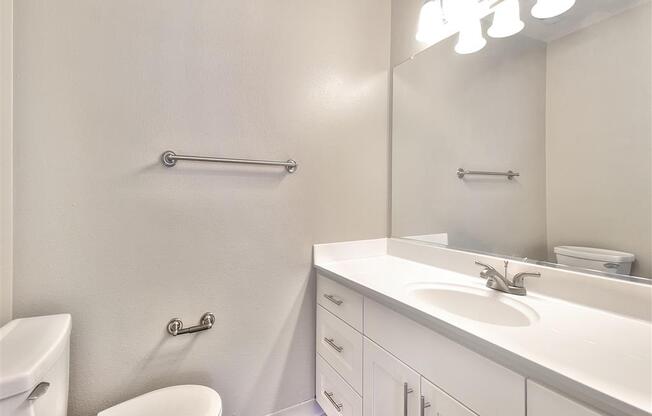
[470, 39]
[507, 20]
[431, 21]
[440, 19]
[546, 9]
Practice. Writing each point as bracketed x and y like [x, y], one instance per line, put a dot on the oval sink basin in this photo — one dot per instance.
[482, 305]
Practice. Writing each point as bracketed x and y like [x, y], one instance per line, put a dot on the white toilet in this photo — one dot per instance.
[34, 357]
[595, 259]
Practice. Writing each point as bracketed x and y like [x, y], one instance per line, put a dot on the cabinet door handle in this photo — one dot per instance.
[424, 406]
[331, 342]
[406, 390]
[329, 396]
[333, 299]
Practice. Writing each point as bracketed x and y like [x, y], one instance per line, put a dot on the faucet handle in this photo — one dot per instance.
[520, 277]
[486, 266]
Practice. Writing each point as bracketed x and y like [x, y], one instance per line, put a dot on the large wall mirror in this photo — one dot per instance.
[565, 103]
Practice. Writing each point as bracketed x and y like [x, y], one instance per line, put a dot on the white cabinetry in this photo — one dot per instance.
[390, 387]
[438, 403]
[341, 346]
[374, 361]
[544, 402]
[333, 394]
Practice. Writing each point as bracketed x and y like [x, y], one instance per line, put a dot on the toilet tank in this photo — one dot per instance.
[609, 261]
[34, 358]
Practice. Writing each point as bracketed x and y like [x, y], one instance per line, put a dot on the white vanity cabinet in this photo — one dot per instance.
[374, 361]
[341, 346]
[333, 394]
[542, 401]
[391, 388]
[358, 375]
[437, 403]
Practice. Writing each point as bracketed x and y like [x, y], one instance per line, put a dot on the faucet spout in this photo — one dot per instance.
[495, 279]
[498, 281]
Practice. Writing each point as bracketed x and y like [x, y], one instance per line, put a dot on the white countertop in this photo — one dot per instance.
[605, 354]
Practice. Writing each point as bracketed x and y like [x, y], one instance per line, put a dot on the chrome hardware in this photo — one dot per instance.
[330, 398]
[461, 173]
[498, 281]
[406, 390]
[424, 406]
[175, 326]
[520, 277]
[332, 298]
[331, 342]
[40, 389]
[169, 159]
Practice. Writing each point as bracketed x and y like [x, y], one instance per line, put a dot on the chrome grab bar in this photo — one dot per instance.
[169, 159]
[329, 396]
[331, 342]
[406, 390]
[461, 173]
[175, 326]
[338, 302]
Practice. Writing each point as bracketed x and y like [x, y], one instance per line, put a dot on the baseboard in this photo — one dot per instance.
[307, 408]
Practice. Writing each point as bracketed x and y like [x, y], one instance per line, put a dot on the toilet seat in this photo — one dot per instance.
[187, 400]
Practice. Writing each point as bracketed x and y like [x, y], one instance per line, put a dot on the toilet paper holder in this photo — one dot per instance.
[175, 326]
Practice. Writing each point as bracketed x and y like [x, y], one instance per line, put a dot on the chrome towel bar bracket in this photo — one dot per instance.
[461, 173]
[169, 159]
[175, 326]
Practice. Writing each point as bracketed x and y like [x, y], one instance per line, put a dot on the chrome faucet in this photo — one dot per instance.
[498, 281]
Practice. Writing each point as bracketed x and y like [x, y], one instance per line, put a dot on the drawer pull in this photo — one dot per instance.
[424, 406]
[331, 342]
[333, 299]
[329, 396]
[406, 390]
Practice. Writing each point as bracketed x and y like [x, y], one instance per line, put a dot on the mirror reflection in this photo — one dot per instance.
[525, 130]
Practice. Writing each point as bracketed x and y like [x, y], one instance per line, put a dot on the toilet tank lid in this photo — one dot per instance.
[29, 347]
[598, 254]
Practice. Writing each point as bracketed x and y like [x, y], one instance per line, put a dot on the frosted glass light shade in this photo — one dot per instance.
[507, 20]
[545, 9]
[470, 39]
[430, 21]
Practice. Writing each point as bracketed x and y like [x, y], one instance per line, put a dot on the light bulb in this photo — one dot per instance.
[507, 20]
[470, 39]
[545, 9]
[430, 21]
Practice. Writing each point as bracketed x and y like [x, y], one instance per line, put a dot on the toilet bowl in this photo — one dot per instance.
[34, 361]
[170, 401]
[595, 259]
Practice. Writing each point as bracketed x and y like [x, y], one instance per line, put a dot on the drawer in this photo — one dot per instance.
[437, 403]
[485, 387]
[333, 394]
[341, 346]
[340, 300]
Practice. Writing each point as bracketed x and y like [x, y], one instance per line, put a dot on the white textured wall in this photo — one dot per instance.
[484, 111]
[104, 232]
[599, 137]
[6, 159]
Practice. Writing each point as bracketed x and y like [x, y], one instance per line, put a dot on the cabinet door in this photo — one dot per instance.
[435, 402]
[390, 387]
[544, 402]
